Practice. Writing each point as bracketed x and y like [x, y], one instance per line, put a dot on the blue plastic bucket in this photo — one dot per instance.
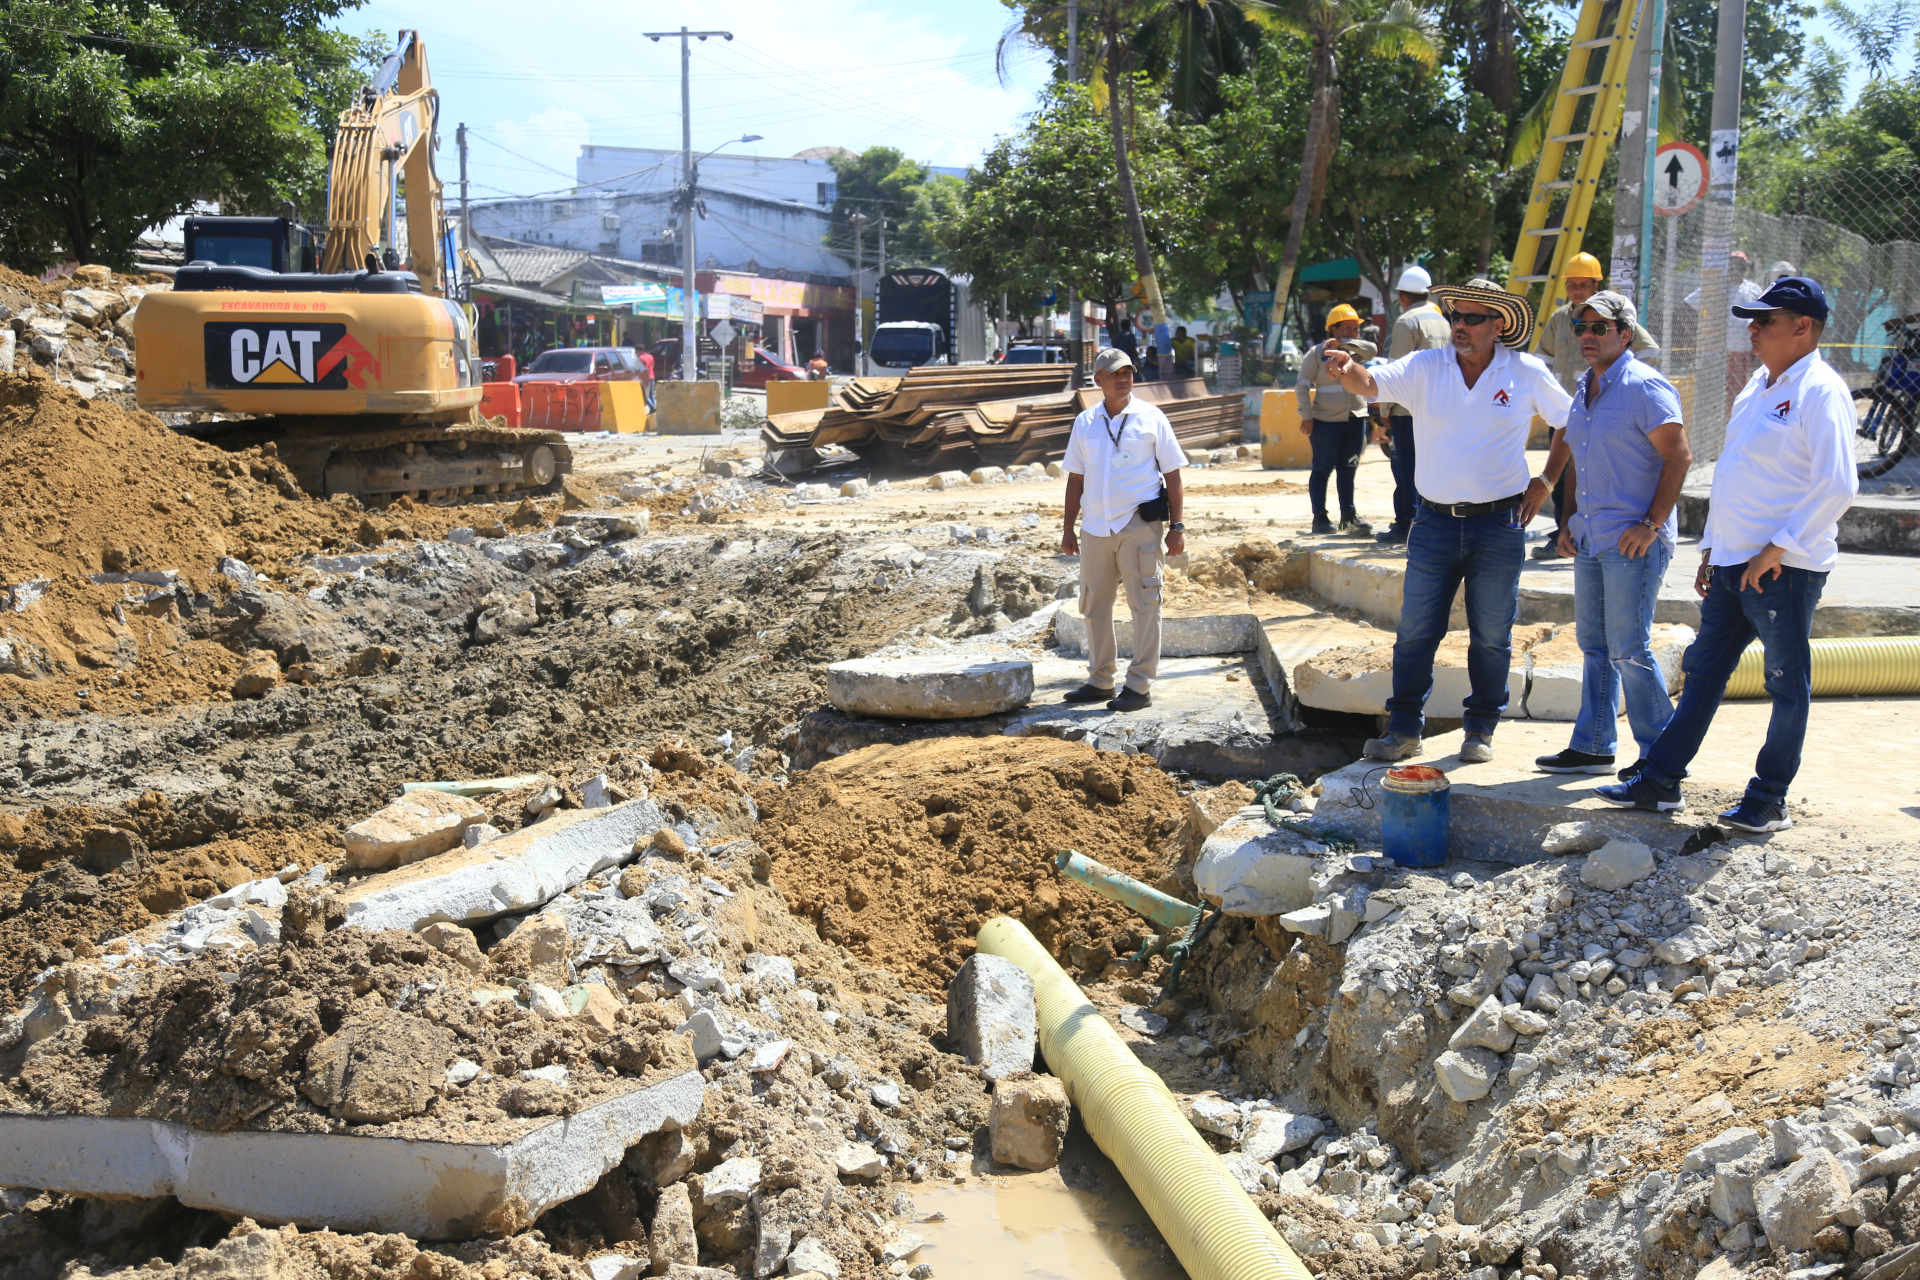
[1414, 811]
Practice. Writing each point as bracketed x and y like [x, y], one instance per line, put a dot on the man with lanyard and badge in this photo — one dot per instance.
[1123, 496]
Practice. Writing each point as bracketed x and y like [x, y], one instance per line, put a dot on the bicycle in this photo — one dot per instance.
[1885, 410]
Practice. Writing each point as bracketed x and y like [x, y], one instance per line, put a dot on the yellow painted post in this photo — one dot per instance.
[793, 395]
[623, 407]
[687, 408]
[1281, 443]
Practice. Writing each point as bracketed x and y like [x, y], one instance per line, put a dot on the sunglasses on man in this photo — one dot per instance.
[1472, 319]
[1598, 328]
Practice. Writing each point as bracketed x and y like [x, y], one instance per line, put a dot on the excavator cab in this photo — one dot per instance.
[274, 244]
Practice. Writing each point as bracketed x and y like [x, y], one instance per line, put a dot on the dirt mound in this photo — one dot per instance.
[333, 1031]
[94, 487]
[899, 853]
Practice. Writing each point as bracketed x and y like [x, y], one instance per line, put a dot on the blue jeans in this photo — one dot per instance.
[1613, 601]
[1485, 552]
[1400, 439]
[1337, 447]
[1780, 615]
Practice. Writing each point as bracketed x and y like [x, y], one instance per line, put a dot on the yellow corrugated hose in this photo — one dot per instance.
[1877, 664]
[1212, 1226]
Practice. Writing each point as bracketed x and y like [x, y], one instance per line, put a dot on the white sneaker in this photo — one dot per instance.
[1477, 749]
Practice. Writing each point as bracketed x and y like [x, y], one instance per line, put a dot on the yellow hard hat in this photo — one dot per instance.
[1340, 313]
[1584, 266]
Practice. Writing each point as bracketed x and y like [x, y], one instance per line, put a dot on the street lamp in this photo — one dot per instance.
[689, 329]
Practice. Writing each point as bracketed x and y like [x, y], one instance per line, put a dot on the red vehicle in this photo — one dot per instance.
[586, 364]
[765, 368]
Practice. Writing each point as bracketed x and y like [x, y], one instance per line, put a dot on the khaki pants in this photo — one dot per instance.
[1129, 558]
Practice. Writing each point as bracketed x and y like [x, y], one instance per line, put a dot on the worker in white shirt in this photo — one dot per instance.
[1742, 291]
[1781, 483]
[1473, 406]
[1124, 494]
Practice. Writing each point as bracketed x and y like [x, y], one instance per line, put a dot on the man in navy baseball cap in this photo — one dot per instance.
[1799, 294]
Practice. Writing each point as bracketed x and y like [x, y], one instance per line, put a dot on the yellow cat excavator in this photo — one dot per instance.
[362, 373]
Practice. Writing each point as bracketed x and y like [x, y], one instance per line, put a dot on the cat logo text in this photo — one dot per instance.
[293, 357]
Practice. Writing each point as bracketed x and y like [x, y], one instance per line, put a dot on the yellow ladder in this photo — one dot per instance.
[1581, 129]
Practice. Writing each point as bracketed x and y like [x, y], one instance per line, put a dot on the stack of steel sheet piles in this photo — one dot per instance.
[955, 417]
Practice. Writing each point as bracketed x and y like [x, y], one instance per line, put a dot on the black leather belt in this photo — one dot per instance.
[1461, 510]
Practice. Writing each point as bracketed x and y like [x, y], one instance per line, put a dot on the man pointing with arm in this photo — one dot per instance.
[1472, 405]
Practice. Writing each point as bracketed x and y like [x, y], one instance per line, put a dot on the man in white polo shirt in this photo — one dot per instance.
[1472, 405]
[1123, 491]
[1780, 486]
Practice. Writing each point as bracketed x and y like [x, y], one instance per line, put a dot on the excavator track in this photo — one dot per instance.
[425, 461]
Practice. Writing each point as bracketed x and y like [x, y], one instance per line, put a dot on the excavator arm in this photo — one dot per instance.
[385, 139]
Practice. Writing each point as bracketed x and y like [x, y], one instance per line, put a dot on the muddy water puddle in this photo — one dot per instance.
[1077, 1222]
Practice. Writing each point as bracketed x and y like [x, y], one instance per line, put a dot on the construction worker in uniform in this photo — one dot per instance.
[1334, 420]
[1561, 350]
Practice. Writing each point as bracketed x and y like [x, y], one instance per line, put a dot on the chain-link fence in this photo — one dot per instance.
[1856, 232]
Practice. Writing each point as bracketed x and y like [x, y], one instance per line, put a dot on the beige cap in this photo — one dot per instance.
[1110, 359]
[1610, 306]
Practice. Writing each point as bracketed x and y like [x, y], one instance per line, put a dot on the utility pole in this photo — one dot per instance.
[1723, 172]
[859, 221]
[1630, 192]
[689, 298]
[1076, 325]
[466, 218]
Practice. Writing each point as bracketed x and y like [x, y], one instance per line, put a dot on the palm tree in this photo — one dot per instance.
[1196, 36]
[1399, 28]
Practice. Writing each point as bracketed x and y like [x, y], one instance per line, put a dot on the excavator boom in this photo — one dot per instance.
[363, 373]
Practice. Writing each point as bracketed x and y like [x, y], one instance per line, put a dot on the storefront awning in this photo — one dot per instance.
[1334, 269]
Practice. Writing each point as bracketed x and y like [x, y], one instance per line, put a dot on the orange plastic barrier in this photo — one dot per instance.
[500, 400]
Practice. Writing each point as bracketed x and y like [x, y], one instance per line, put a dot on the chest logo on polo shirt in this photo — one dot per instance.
[1779, 413]
[1501, 398]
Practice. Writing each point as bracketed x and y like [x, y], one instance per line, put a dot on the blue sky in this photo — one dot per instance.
[913, 74]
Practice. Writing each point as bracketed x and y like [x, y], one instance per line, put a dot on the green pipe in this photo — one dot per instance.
[1167, 912]
[1209, 1222]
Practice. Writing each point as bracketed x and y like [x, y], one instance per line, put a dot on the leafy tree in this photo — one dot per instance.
[1774, 48]
[1394, 30]
[1042, 211]
[114, 117]
[878, 183]
[1127, 34]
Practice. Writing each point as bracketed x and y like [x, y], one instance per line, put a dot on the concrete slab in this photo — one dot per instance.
[517, 872]
[1247, 868]
[1210, 716]
[1544, 683]
[1181, 635]
[1500, 811]
[346, 1182]
[948, 686]
[1866, 595]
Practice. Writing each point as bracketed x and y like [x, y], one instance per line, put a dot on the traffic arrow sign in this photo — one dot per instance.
[1679, 178]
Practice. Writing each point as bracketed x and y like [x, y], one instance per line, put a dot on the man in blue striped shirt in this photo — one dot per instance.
[1625, 452]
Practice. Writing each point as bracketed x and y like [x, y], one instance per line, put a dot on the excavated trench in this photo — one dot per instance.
[1502, 1072]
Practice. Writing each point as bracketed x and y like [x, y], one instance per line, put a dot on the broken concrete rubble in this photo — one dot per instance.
[417, 825]
[929, 687]
[1029, 1121]
[991, 1018]
[431, 1190]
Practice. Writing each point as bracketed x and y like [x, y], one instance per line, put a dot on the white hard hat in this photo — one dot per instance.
[1415, 280]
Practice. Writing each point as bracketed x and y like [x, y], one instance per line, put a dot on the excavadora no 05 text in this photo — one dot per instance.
[362, 374]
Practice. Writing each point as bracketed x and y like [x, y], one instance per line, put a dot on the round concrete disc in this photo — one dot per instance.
[934, 687]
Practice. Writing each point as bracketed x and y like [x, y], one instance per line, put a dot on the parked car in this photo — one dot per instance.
[585, 364]
[766, 367]
[1036, 353]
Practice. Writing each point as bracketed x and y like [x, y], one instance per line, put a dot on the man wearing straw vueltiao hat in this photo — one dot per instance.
[1472, 406]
